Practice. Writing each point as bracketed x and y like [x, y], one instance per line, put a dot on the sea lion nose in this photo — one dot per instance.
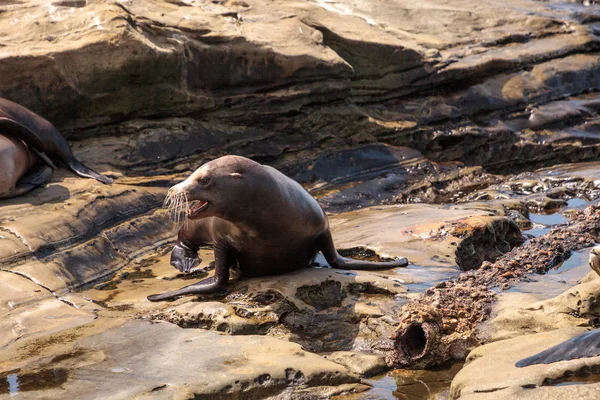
[178, 189]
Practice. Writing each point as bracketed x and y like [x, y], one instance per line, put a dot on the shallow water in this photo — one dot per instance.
[558, 279]
[412, 385]
[542, 223]
[15, 382]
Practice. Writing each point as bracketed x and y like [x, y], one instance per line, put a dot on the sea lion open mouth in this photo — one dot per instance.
[197, 208]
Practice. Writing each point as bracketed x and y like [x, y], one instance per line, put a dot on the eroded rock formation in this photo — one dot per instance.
[365, 103]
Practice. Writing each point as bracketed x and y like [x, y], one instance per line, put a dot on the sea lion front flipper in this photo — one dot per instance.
[326, 246]
[584, 345]
[37, 176]
[205, 286]
[223, 260]
[183, 258]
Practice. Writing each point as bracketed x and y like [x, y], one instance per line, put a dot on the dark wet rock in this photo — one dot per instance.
[486, 242]
[441, 324]
[325, 295]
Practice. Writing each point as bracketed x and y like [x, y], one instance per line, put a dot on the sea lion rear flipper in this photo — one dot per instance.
[326, 246]
[86, 172]
[14, 129]
[584, 345]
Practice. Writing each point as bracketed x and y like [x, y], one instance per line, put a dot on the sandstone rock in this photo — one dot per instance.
[138, 358]
[28, 310]
[361, 364]
[490, 369]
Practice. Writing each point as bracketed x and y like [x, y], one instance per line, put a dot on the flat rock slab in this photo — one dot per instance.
[490, 371]
[428, 235]
[145, 359]
[566, 296]
[27, 310]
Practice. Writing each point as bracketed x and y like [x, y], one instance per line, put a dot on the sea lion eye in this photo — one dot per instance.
[205, 180]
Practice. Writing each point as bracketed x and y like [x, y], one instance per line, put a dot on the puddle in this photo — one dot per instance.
[548, 219]
[16, 382]
[558, 279]
[577, 203]
[542, 223]
[411, 384]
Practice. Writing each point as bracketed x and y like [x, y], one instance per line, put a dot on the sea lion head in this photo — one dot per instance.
[213, 188]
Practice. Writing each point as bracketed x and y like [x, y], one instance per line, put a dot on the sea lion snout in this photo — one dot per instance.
[190, 196]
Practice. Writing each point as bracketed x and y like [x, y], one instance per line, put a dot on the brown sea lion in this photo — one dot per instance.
[21, 125]
[20, 168]
[257, 220]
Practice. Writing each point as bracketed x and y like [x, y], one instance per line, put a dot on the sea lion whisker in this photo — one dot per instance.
[187, 210]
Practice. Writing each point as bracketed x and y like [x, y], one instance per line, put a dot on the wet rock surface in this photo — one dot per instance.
[497, 377]
[442, 323]
[485, 114]
[141, 358]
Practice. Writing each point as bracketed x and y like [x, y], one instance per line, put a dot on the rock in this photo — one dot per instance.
[28, 310]
[565, 298]
[419, 229]
[361, 364]
[219, 317]
[139, 358]
[595, 259]
[443, 323]
[490, 369]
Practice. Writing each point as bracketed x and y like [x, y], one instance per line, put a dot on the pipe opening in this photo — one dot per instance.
[414, 341]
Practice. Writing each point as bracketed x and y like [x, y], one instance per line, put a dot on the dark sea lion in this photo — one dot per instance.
[42, 138]
[586, 344]
[257, 220]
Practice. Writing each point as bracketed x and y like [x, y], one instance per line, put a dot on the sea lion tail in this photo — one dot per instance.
[86, 172]
[586, 344]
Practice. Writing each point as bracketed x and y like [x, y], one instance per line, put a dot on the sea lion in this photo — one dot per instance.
[257, 220]
[40, 137]
[586, 344]
[20, 168]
